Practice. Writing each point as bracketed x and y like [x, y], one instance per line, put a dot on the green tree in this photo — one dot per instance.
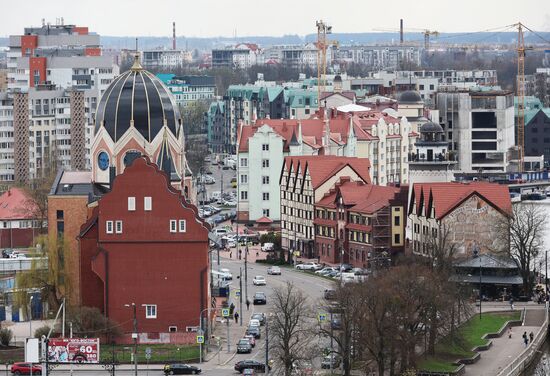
[47, 274]
[89, 322]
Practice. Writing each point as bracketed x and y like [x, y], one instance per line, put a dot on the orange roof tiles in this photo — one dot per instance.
[17, 204]
[447, 196]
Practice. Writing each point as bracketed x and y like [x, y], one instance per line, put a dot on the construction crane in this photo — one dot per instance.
[427, 33]
[322, 43]
[520, 91]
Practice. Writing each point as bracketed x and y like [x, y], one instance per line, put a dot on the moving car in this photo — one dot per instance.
[244, 346]
[259, 281]
[181, 369]
[259, 316]
[309, 266]
[227, 274]
[268, 247]
[259, 298]
[274, 270]
[329, 360]
[21, 368]
[250, 364]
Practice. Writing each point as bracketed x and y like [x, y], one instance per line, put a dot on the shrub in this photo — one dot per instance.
[42, 331]
[6, 336]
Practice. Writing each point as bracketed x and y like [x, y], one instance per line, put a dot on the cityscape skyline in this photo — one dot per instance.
[157, 21]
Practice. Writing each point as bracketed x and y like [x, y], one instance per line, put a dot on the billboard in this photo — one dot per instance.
[73, 350]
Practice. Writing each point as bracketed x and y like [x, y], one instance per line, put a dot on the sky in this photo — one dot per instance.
[210, 18]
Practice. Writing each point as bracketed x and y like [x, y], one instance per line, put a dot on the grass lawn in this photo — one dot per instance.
[448, 351]
[159, 353]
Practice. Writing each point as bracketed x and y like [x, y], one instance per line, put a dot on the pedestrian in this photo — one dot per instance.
[524, 336]
[247, 304]
[230, 254]
[257, 254]
[531, 336]
[526, 341]
[512, 304]
[236, 317]
[509, 332]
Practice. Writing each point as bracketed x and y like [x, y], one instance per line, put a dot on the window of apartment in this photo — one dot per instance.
[265, 163]
[265, 147]
[148, 203]
[397, 238]
[244, 195]
[244, 179]
[173, 225]
[432, 87]
[59, 214]
[118, 227]
[265, 196]
[265, 212]
[397, 220]
[182, 225]
[420, 87]
[109, 227]
[265, 179]
[150, 311]
[244, 162]
[131, 203]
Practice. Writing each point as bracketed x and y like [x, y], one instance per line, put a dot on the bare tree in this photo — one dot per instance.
[291, 327]
[521, 238]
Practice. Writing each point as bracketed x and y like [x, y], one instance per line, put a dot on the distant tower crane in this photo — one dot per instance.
[322, 30]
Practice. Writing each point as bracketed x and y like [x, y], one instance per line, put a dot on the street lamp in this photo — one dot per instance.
[134, 336]
[30, 316]
[477, 253]
[202, 331]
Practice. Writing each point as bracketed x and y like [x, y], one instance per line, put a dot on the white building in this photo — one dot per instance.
[165, 59]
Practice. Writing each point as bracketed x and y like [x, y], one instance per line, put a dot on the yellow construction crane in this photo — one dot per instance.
[427, 33]
[322, 43]
[520, 91]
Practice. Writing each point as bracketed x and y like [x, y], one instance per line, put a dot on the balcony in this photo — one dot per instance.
[423, 158]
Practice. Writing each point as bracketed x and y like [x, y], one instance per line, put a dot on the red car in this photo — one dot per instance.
[25, 369]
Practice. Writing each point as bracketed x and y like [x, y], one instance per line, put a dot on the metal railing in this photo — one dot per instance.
[523, 360]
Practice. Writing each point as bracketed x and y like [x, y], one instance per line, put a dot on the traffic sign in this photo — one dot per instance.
[200, 339]
[225, 312]
[237, 293]
[148, 353]
[321, 316]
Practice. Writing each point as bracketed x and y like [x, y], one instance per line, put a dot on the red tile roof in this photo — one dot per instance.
[447, 196]
[323, 167]
[350, 94]
[17, 204]
[264, 220]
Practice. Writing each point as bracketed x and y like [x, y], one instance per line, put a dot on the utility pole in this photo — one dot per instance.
[245, 275]
[241, 293]
[134, 336]
[267, 346]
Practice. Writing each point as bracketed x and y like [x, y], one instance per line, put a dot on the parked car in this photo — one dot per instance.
[254, 322]
[346, 267]
[330, 362]
[251, 338]
[244, 346]
[181, 369]
[274, 270]
[250, 364]
[258, 316]
[329, 294]
[207, 179]
[326, 270]
[7, 252]
[259, 298]
[253, 331]
[310, 265]
[17, 255]
[268, 247]
[22, 368]
[259, 280]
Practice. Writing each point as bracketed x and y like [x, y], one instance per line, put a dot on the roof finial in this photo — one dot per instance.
[136, 66]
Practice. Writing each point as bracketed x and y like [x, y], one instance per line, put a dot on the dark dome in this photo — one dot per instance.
[337, 78]
[431, 127]
[409, 96]
[139, 96]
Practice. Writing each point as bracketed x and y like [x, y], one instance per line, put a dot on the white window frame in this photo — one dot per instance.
[150, 311]
[182, 225]
[118, 227]
[173, 225]
[131, 204]
[109, 227]
[147, 203]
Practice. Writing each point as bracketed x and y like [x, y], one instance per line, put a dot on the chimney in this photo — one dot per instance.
[174, 36]
[401, 31]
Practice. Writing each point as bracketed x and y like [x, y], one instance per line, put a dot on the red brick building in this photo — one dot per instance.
[365, 223]
[145, 244]
[19, 222]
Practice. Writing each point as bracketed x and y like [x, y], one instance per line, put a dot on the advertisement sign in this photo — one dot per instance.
[73, 350]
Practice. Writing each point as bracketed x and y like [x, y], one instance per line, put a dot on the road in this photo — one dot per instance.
[312, 287]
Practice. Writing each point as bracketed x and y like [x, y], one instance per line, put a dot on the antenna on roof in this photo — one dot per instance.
[136, 45]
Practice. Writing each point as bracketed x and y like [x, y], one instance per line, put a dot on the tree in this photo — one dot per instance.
[89, 322]
[291, 327]
[47, 274]
[193, 116]
[521, 238]
[36, 206]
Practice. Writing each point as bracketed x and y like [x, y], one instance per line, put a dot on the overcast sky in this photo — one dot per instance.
[207, 18]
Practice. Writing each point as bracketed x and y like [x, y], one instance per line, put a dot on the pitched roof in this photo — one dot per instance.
[445, 197]
[323, 167]
[349, 94]
[15, 203]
